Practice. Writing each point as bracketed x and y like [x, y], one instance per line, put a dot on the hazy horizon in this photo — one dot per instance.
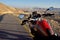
[32, 3]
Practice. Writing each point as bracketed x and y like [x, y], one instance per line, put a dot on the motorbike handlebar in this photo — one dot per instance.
[24, 21]
[45, 15]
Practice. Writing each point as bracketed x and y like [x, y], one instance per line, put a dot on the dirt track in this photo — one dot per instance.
[10, 29]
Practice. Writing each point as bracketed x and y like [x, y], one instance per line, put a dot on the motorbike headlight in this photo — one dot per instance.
[21, 16]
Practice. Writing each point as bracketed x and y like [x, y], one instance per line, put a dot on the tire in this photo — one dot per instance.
[48, 32]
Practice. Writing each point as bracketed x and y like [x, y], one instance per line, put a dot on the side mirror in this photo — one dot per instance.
[21, 16]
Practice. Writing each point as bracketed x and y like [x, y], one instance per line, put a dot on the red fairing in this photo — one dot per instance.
[44, 25]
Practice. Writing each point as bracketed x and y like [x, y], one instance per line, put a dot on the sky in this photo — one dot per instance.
[32, 3]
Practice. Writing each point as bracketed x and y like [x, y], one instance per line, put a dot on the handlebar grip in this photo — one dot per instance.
[21, 24]
[24, 22]
[47, 14]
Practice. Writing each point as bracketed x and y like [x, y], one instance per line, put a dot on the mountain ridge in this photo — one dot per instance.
[8, 9]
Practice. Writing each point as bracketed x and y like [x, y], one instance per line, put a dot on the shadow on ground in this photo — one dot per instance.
[47, 38]
[39, 37]
[5, 35]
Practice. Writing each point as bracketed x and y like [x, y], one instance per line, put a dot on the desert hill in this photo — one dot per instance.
[7, 9]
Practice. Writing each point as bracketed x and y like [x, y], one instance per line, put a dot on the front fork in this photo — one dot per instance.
[51, 32]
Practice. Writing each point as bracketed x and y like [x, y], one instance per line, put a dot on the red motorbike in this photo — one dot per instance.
[41, 27]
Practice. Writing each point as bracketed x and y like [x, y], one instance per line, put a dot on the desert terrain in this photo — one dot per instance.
[53, 20]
